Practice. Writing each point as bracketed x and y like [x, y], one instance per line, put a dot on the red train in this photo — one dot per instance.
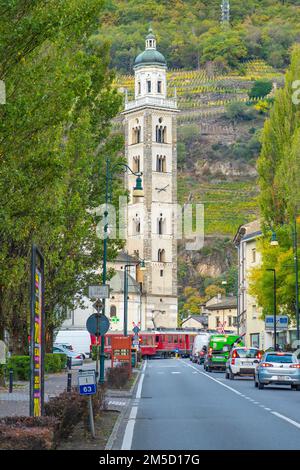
[159, 343]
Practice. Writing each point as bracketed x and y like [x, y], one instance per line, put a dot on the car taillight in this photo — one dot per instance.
[259, 355]
[235, 355]
[78, 357]
[233, 361]
[295, 366]
[266, 364]
[202, 353]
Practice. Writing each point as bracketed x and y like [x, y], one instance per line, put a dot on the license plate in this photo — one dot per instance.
[283, 377]
[247, 363]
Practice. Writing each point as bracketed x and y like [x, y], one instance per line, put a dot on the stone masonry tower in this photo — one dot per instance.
[150, 147]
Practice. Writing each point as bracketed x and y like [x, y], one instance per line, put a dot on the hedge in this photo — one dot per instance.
[28, 433]
[21, 365]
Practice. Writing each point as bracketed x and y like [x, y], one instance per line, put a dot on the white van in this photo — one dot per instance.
[200, 344]
[79, 339]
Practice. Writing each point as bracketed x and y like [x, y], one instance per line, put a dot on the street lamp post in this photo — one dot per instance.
[137, 192]
[275, 306]
[274, 242]
[141, 263]
[296, 276]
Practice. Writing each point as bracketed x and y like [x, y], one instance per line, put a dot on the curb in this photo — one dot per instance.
[121, 416]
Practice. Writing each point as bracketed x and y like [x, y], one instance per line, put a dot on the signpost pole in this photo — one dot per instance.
[91, 415]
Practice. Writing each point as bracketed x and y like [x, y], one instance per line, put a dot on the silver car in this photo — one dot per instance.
[76, 358]
[280, 368]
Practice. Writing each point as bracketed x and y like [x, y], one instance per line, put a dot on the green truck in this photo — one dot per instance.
[218, 351]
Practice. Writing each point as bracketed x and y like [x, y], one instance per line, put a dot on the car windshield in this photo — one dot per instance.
[251, 353]
[280, 358]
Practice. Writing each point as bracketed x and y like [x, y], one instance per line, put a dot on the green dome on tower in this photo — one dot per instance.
[150, 56]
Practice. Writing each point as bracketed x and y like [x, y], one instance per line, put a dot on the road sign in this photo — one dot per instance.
[99, 292]
[97, 324]
[98, 305]
[282, 322]
[87, 382]
[136, 329]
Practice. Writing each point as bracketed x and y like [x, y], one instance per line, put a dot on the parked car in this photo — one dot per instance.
[242, 361]
[65, 345]
[79, 339]
[280, 368]
[76, 358]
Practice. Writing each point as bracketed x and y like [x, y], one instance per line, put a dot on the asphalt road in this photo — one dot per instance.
[179, 406]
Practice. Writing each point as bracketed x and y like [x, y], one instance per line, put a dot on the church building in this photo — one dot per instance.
[150, 148]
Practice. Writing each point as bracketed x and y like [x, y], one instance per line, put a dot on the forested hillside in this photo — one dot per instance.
[225, 77]
[190, 35]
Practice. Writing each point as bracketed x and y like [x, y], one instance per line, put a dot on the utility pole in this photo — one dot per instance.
[225, 15]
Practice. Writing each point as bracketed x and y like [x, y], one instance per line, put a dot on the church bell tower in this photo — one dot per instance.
[150, 148]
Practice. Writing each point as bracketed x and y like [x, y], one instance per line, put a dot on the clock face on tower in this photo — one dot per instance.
[164, 188]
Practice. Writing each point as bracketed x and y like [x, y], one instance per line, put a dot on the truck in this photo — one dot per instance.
[200, 346]
[219, 348]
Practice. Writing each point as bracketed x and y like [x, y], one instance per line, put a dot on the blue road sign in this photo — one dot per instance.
[97, 324]
[87, 389]
[87, 382]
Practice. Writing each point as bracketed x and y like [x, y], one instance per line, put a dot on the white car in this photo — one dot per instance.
[242, 361]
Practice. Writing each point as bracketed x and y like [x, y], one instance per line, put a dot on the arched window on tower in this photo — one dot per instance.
[137, 225]
[160, 163]
[139, 88]
[136, 164]
[159, 86]
[113, 311]
[161, 132]
[136, 135]
[160, 225]
[148, 86]
[161, 256]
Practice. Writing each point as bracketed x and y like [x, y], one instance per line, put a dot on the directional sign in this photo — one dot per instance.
[87, 382]
[97, 324]
[98, 305]
[282, 322]
[99, 292]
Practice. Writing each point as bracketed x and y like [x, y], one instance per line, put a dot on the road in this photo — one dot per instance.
[179, 406]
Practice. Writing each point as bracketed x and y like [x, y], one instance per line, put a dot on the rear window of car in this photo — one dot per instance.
[280, 358]
[251, 353]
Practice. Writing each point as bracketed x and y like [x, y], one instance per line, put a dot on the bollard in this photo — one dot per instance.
[11, 380]
[69, 363]
[69, 383]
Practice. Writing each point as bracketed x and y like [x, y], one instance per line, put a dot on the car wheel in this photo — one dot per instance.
[255, 383]
[231, 375]
[260, 385]
[226, 375]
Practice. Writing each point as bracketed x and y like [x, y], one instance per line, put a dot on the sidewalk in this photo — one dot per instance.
[17, 403]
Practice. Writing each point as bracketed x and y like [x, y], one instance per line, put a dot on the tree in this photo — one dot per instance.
[280, 131]
[54, 135]
[260, 89]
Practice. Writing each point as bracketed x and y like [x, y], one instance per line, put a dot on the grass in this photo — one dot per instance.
[81, 439]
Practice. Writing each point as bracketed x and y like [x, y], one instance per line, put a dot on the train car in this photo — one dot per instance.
[158, 343]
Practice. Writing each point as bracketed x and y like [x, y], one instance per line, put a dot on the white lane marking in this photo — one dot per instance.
[127, 441]
[128, 435]
[173, 372]
[285, 418]
[215, 380]
[139, 389]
